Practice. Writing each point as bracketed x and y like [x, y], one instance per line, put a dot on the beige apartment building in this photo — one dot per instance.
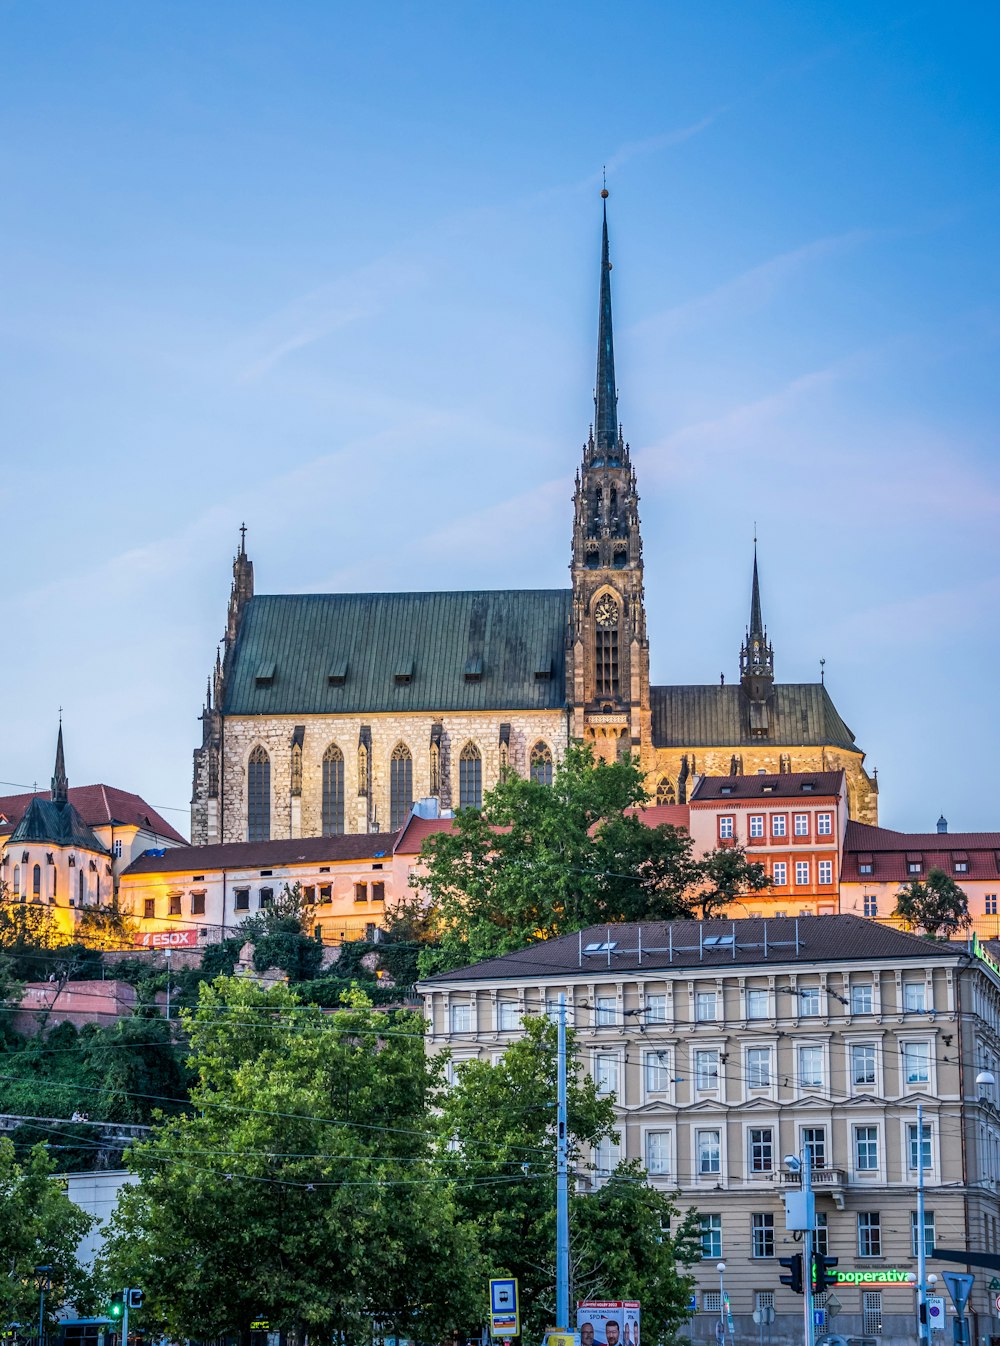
[727, 1045]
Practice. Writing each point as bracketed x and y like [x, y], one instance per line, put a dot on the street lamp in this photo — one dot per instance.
[804, 1219]
[721, 1269]
[43, 1286]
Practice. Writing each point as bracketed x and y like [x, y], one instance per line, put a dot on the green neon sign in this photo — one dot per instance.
[884, 1276]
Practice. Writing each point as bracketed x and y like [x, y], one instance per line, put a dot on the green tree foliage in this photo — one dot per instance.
[938, 906]
[538, 861]
[726, 876]
[279, 937]
[498, 1140]
[299, 1186]
[39, 1226]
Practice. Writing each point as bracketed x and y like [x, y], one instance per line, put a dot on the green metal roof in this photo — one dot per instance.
[55, 823]
[315, 654]
[799, 714]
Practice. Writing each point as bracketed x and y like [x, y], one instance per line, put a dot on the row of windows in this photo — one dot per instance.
[470, 785]
[803, 873]
[196, 903]
[762, 1155]
[868, 1229]
[758, 1003]
[757, 830]
[707, 1074]
[36, 883]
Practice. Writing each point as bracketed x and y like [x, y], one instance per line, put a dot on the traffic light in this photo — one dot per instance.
[135, 1298]
[794, 1278]
[823, 1274]
[116, 1306]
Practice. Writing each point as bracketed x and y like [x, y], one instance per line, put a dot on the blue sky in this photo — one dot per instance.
[332, 269]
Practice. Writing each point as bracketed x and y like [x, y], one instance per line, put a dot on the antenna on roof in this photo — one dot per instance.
[822, 673]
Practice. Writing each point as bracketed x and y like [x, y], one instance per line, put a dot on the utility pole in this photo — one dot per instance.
[562, 1178]
[125, 1295]
[923, 1326]
[43, 1271]
[807, 1244]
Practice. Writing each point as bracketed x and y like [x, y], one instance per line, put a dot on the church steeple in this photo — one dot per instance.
[607, 650]
[606, 431]
[60, 784]
[756, 654]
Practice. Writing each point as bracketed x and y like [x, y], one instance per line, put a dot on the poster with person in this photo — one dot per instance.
[608, 1322]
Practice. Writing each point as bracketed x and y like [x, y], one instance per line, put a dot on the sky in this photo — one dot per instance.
[332, 270]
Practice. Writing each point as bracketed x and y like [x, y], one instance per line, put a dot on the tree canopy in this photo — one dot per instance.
[299, 1186]
[538, 861]
[498, 1140]
[39, 1227]
[938, 906]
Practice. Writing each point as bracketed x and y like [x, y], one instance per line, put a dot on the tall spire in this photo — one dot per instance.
[606, 397]
[756, 655]
[756, 621]
[60, 785]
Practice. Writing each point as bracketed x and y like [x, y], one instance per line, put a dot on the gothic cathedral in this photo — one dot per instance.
[331, 713]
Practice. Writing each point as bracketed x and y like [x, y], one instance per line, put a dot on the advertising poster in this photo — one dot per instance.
[608, 1322]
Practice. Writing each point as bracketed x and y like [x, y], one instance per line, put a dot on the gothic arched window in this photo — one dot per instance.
[259, 796]
[607, 616]
[36, 881]
[80, 886]
[333, 792]
[400, 786]
[17, 880]
[665, 792]
[470, 778]
[540, 766]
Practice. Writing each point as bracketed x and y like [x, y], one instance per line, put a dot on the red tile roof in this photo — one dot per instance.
[266, 854]
[887, 852]
[98, 806]
[787, 785]
[411, 839]
[671, 815]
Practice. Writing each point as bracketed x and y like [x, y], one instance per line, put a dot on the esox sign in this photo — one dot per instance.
[186, 938]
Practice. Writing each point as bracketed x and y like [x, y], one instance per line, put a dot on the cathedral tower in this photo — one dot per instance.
[607, 656]
[756, 654]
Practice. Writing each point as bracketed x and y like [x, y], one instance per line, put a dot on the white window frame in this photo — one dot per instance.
[700, 1151]
[656, 1008]
[761, 1234]
[802, 873]
[656, 1071]
[800, 824]
[865, 1052]
[779, 873]
[460, 1016]
[914, 990]
[754, 1077]
[810, 1002]
[824, 824]
[857, 993]
[702, 1054]
[929, 1229]
[605, 1011]
[659, 1164]
[756, 825]
[779, 824]
[919, 1048]
[606, 1072]
[754, 1170]
[758, 991]
[870, 1224]
[701, 1002]
[504, 1009]
[710, 1226]
[727, 827]
[824, 871]
[910, 1142]
[872, 1137]
[800, 1073]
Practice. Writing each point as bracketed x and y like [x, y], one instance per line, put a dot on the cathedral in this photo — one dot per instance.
[332, 713]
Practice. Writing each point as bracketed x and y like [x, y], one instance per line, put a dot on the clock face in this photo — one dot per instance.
[606, 612]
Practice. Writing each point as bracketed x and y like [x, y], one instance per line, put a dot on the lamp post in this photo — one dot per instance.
[807, 1223]
[721, 1330]
[44, 1283]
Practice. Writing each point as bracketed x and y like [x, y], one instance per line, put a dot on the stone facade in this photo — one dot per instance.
[370, 810]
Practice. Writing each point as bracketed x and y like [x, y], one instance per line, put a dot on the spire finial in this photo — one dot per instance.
[606, 399]
[822, 671]
[243, 539]
[60, 785]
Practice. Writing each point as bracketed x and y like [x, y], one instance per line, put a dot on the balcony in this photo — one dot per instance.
[832, 1180]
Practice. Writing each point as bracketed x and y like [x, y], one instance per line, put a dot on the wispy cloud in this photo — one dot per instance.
[356, 295]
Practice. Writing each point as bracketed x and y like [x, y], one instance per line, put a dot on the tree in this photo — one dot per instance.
[39, 1226]
[544, 860]
[279, 937]
[299, 1186]
[726, 876]
[937, 906]
[498, 1140]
